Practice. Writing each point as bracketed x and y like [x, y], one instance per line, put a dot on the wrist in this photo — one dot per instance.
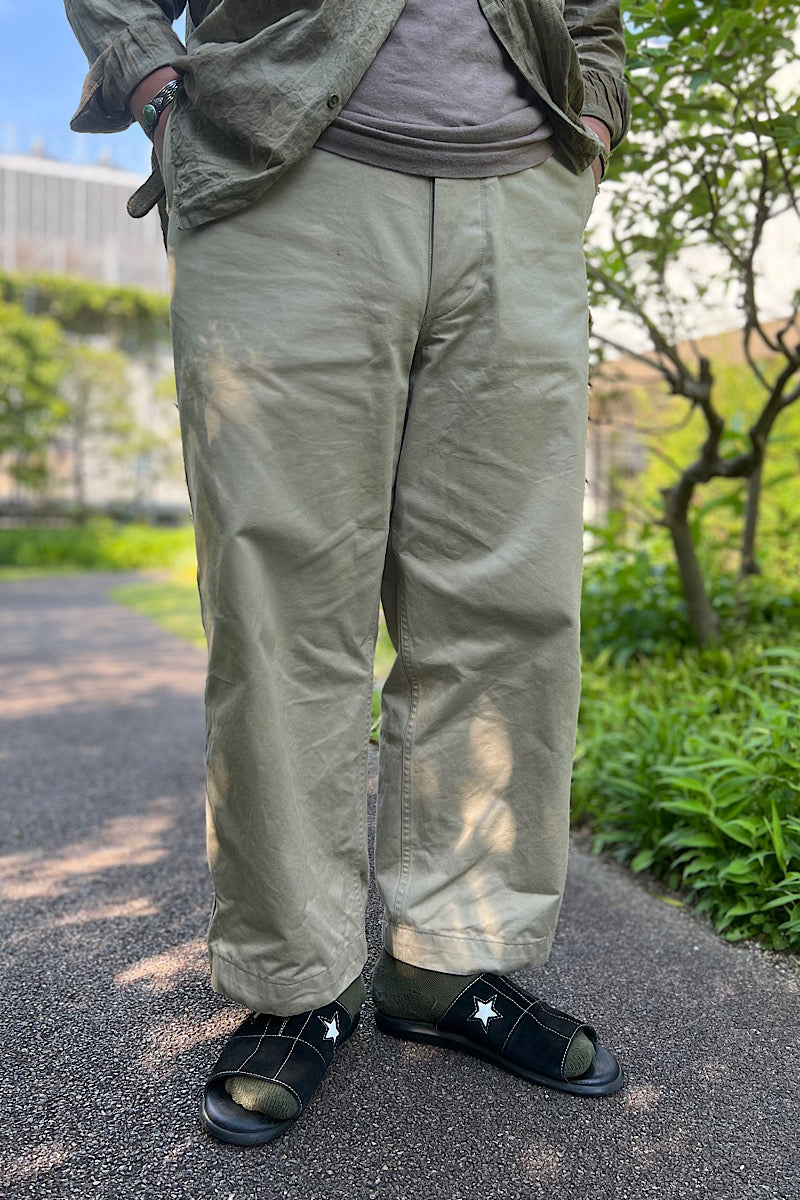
[599, 128]
[603, 135]
[155, 112]
[150, 87]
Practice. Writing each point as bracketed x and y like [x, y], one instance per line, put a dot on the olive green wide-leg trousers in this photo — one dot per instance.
[382, 384]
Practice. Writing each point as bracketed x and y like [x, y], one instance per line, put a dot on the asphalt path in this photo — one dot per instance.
[109, 1025]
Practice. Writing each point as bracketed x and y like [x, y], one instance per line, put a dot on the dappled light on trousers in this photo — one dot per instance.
[487, 818]
[488, 828]
[227, 374]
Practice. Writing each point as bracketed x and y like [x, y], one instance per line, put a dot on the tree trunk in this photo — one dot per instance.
[748, 564]
[702, 618]
[79, 480]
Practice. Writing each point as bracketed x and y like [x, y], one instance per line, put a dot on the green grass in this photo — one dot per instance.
[174, 604]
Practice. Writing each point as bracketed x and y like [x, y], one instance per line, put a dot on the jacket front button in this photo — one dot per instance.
[333, 100]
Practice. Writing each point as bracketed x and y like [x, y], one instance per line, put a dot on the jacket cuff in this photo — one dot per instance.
[129, 57]
[606, 97]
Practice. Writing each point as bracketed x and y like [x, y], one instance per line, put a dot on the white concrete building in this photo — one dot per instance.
[70, 219]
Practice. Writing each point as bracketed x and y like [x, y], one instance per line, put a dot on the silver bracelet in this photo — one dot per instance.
[152, 111]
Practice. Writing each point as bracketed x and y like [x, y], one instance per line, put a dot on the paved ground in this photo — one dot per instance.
[110, 1026]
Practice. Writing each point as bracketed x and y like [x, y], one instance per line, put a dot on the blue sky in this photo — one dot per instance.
[41, 72]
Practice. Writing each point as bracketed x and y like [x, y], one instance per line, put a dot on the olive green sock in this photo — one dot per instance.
[273, 1099]
[415, 994]
[412, 993]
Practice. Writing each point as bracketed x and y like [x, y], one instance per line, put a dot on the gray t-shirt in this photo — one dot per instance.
[442, 98]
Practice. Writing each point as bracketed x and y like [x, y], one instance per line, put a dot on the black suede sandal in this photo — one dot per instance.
[502, 1024]
[293, 1051]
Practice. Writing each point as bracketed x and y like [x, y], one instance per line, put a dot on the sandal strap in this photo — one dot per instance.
[496, 1013]
[293, 1051]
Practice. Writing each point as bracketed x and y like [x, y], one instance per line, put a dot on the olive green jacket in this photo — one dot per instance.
[263, 78]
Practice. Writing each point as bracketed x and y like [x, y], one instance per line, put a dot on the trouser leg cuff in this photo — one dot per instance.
[312, 989]
[464, 955]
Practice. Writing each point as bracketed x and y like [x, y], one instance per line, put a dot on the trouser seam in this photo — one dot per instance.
[405, 772]
[364, 776]
[404, 641]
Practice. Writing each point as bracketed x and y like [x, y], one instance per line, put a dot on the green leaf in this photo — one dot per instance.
[678, 838]
[778, 840]
[643, 860]
[741, 830]
[742, 870]
[684, 805]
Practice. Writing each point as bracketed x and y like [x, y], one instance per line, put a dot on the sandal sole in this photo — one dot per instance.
[604, 1077]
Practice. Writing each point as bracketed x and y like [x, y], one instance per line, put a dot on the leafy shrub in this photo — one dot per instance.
[690, 766]
[633, 605]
